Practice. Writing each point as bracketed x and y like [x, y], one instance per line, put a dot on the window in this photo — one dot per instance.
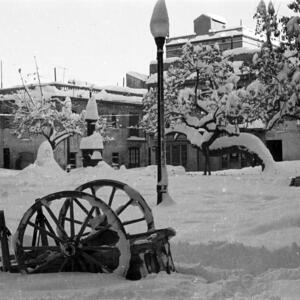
[176, 154]
[225, 161]
[133, 124]
[115, 160]
[168, 155]
[244, 160]
[111, 121]
[234, 157]
[72, 159]
[134, 157]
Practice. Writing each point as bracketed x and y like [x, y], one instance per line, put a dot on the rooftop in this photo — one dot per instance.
[228, 32]
[216, 18]
[57, 89]
[140, 76]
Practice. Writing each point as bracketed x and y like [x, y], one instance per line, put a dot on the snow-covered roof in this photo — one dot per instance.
[104, 96]
[122, 95]
[123, 89]
[112, 88]
[240, 50]
[136, 139]
[92, 109]
[168, 60]
[140, 76]
[216, 18]
[228, 32]
[94, 141]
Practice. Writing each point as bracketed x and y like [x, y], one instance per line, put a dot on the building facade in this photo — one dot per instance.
[240, 43]
[120, 106]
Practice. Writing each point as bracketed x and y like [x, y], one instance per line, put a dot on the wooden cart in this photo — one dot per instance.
[103, 226]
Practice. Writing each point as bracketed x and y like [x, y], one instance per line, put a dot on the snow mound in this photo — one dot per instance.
[244, 171]
[103, 170]
[167, 201]
[8, 172]
[219, 260]
[44, 165]
[172, 170]
[105, 166]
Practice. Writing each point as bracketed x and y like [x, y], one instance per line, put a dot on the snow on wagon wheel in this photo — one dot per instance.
[88, 244]
[127, 203]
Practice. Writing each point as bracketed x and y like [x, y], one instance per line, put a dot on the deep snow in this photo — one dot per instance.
[238, 234]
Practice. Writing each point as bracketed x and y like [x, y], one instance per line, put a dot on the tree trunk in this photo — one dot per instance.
[207, 169]
[53, 144]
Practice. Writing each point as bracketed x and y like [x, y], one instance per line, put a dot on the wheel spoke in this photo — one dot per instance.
[72, 223]
[94, 261]
[111, 197]
[76, 222]
[81, 206]
[85, 234]
[63, 264]
[48, 225]
[56, 238]
[82, 265]
[62, 230]
[84, 225]
[40, 221]
[34, 236]
[133, 221]
[123, 207]
[93, 191]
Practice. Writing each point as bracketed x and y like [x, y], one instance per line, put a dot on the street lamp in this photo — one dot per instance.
[159, 26]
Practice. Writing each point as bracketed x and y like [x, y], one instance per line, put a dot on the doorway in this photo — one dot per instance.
[6, 158]
[275, 147]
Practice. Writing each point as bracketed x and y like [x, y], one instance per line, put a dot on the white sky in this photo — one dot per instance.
[98, 41]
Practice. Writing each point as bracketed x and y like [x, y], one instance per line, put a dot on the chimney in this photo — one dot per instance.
[206, 23]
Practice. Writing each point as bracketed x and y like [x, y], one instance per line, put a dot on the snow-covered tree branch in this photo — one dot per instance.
[275, 95]
[38, 114]
[202, 100]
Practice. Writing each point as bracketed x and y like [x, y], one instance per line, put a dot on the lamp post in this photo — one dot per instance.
[159, 26]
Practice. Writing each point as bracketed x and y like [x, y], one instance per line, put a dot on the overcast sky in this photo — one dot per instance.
[98, 41]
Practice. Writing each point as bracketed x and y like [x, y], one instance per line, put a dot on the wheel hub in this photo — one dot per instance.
[68, 249]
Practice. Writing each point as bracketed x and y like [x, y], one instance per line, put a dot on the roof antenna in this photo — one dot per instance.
[241, 22]
[38, 76]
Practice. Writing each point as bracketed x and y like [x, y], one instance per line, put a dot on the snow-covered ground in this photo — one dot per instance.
[238, 234]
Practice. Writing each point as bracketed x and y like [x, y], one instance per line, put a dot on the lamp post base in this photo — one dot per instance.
[161, 191]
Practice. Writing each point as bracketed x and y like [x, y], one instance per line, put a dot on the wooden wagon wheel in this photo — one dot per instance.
[126, 202]
[91, 244]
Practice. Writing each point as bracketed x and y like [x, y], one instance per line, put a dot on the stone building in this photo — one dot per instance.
[120, 106]
[240, 43]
